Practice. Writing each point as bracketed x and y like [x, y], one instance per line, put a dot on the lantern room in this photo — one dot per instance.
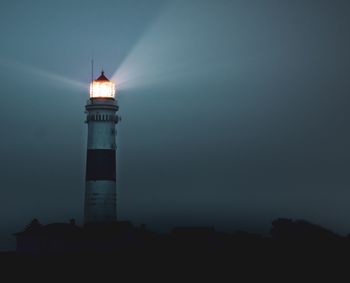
[102, 88]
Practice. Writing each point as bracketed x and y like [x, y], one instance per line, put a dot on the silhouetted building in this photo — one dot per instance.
[62, 238]
[53, 238]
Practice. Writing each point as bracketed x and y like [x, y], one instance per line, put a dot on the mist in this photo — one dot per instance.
[233, 112]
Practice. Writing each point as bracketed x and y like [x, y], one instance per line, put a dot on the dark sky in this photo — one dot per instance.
[234, 112]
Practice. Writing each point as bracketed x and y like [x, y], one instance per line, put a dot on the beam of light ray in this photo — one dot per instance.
[141, 66]
[172, 51]
[45, 74]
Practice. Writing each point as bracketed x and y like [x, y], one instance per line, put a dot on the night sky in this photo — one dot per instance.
[234, 112]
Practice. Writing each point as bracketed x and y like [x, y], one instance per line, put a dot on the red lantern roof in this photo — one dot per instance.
[102, 77]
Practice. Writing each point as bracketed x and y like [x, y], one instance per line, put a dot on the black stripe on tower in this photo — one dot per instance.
[100, 165]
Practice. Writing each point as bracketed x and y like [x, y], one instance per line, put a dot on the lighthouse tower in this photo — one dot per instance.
[100, 190]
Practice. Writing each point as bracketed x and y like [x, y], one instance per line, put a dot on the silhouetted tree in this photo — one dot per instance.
[287, 229]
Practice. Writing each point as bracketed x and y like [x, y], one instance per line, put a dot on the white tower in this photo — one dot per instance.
[100, 191]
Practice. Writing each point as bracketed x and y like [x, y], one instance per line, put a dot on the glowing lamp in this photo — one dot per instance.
[102, 88]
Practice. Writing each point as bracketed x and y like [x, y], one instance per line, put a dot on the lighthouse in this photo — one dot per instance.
[101, 118]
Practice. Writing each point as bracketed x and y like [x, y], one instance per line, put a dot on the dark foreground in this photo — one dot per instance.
[251, 259]
[292, 251]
